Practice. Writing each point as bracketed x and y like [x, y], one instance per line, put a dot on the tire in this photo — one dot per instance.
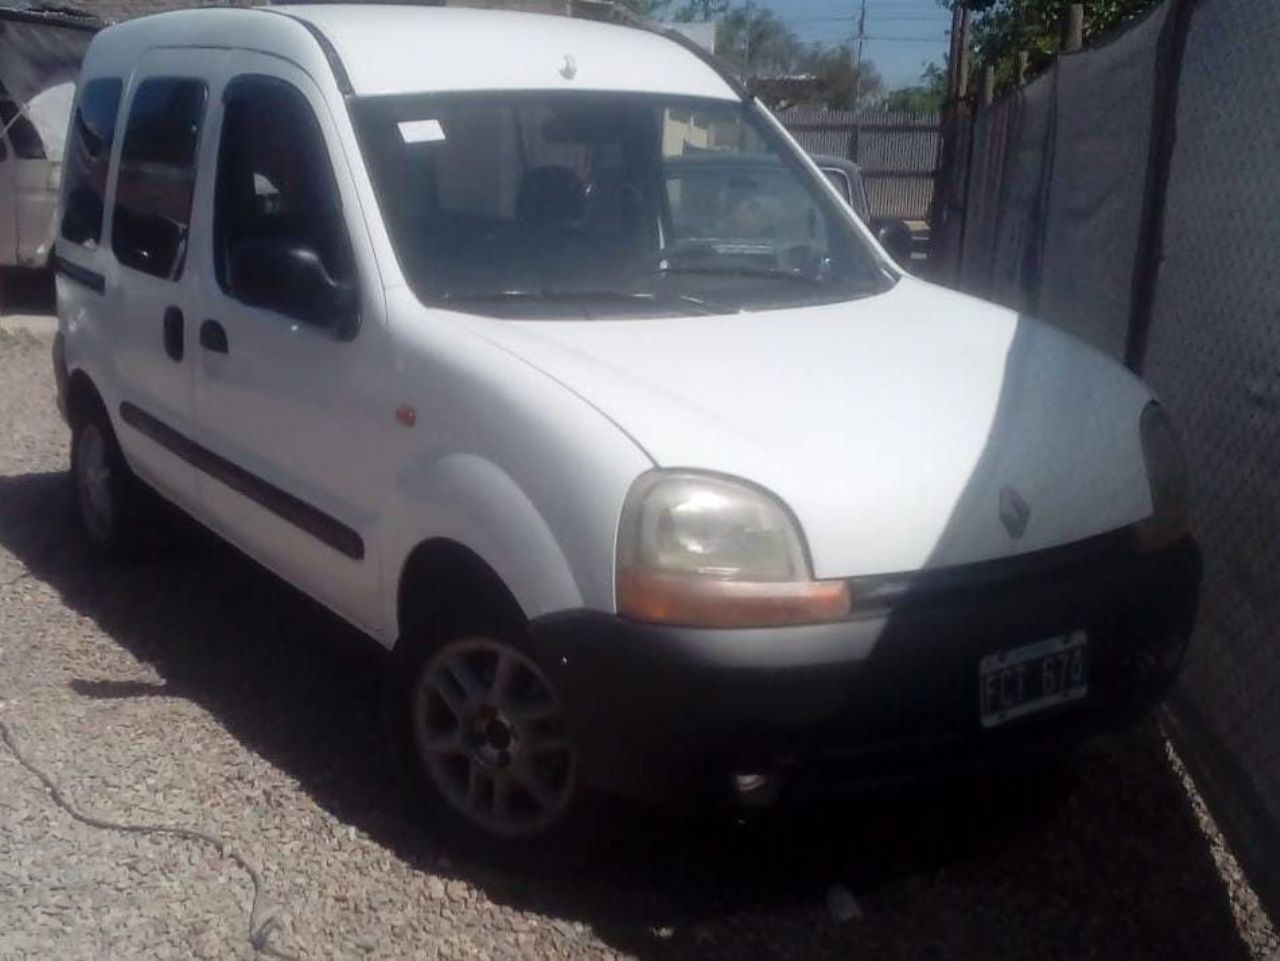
[481, 738]
[112, 505]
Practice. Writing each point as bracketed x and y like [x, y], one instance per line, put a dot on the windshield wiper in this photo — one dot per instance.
[700, 256]
[734, 270]
[574, 295]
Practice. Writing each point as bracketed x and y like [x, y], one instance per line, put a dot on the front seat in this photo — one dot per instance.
[550, 206]
[551, 200]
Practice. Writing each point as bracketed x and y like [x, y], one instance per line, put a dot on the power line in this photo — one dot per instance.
[881, 38]
[871, 17]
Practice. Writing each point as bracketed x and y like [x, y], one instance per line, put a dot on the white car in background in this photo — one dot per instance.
[30, 176]
[653, 488]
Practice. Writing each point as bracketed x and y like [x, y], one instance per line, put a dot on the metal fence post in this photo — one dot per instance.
[1164, 123]
[1073, 28]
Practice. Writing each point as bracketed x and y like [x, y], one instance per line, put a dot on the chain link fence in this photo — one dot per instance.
[1131, 195]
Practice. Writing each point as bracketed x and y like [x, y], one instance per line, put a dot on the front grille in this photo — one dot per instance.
[875, 595]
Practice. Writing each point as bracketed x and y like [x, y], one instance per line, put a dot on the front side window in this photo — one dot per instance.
[88, 156]
[276, 186]
[523, 203]
[158, 175]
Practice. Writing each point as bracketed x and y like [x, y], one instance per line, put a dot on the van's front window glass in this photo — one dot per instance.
[157, 176]
[84, 174]
[590, 204]
[274, 179]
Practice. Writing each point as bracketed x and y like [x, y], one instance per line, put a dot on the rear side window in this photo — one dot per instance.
[275, 182]
[93, 130]
[157, 176]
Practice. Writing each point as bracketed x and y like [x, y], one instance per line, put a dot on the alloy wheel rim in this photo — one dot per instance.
[490, 731]
[93, 483]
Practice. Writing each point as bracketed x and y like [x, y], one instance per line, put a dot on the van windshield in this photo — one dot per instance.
[539, 204]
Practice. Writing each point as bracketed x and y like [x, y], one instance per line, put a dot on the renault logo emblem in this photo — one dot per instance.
[570, 69]
[1015, 512]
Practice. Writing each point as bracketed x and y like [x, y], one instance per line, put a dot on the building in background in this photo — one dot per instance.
[703, 34]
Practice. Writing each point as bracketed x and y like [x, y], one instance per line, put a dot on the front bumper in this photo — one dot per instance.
[659, 712]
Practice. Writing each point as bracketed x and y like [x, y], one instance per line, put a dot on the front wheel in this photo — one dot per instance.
[484, 737]
[490, 734]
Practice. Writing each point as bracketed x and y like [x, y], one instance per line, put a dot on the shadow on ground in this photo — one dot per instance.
[26, 291]
[1103, 861]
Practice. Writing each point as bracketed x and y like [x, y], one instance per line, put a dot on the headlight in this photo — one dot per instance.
[709, 551]
[1167, 475]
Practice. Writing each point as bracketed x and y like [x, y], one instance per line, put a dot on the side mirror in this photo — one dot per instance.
[895, 237]
[290, 278]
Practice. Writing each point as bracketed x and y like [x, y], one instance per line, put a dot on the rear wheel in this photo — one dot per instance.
[110, 501]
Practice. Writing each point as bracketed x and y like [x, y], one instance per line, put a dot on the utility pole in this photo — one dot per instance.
[947, 212]
[1073, 28]
[953, 53]
[862, 34]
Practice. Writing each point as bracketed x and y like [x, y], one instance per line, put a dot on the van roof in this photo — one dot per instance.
[394, 49]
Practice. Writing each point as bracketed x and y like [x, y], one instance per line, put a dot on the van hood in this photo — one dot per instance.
[916, 429]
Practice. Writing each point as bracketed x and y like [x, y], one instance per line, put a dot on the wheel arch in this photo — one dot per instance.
[83, 396]
[442, 574]
[468, 526]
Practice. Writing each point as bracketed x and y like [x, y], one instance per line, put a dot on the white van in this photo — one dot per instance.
[658, 481]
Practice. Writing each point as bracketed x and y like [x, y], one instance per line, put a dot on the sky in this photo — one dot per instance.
[902, 35]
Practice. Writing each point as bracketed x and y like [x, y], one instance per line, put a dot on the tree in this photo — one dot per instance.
[645, 9]
[836, 69]
[1003, 27]
[759, 44]
[756, 41]
[925, 97]
[700, 11]
[690, 11]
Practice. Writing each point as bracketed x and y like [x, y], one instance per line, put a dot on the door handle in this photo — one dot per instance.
[173, 333]
[213, 337]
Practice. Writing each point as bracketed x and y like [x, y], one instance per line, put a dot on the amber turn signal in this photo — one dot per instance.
[708, 602]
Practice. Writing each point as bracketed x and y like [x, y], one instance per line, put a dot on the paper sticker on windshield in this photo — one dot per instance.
[421, 131]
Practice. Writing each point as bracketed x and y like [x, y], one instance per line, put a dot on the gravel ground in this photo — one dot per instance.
[199, 691]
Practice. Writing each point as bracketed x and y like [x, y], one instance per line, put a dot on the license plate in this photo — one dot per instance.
[1024, 680]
